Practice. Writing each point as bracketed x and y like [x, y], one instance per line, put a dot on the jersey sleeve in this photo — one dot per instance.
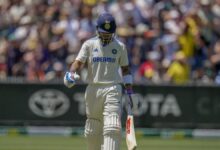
[83, 53]
[123, 61]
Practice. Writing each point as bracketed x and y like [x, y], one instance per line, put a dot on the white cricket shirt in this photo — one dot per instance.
[103, 61]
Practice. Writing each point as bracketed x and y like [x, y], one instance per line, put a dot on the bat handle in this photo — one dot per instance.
[129, 105]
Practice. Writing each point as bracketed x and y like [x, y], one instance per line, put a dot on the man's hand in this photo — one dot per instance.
[128, 89]
[70, 79]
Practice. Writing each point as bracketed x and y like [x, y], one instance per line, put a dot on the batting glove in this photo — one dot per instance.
[70, 79]
[129, 91]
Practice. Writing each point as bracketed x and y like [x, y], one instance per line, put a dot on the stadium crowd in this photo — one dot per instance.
[168, 41]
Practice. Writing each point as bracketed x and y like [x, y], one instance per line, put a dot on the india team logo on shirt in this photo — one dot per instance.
[114, 51]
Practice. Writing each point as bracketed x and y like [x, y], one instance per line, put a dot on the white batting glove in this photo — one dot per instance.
[70, 79]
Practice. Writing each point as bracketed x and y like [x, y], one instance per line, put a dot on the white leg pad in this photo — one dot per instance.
[112, 132]
[93, 134]
[111, 142]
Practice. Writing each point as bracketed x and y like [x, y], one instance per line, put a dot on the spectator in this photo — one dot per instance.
[178, 71]
[36, 35]
[148, 70]
[215, 60]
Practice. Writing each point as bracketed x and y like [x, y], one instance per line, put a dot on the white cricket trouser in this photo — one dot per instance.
[103, 109]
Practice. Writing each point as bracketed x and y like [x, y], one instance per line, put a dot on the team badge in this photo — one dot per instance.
[114, 51]
[107, 25]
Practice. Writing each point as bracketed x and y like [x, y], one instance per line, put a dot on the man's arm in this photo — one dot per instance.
[76, 66]
[126, 73]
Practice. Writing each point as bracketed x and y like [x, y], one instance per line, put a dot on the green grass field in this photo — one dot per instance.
[78, 143]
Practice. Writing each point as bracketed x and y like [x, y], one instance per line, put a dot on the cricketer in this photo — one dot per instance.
[104, 55]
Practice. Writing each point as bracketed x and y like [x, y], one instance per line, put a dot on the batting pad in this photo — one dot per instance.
[112, 123]
[93, 134]
[112, 132]
[111, 142]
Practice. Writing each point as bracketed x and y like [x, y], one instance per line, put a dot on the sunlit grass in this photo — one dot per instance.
[78, 143]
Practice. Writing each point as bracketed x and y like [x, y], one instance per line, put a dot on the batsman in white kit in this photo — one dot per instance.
[104, 55]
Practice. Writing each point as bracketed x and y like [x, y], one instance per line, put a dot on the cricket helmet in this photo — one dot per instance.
[106, 27]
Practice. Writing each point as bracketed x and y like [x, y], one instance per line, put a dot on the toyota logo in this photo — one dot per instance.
[49, 103]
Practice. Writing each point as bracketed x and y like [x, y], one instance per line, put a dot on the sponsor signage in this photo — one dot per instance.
[154, 106]
[49, 103]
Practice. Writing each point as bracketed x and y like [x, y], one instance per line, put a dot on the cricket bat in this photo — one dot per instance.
[130, 132]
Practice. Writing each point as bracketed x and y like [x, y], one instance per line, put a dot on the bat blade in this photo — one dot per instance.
[130, 133]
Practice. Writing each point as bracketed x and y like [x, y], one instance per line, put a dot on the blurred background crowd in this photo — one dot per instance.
[168, 41]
